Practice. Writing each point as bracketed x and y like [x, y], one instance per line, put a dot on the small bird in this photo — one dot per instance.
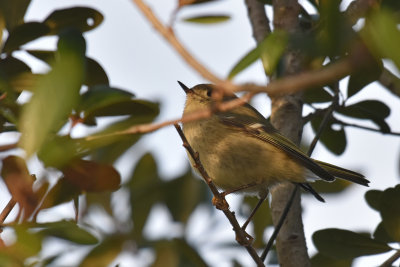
[240, 149]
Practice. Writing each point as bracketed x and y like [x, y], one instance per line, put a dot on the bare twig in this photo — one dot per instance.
[279, 225]
[169, 35]
[364, 127]
[8, 147]
[6, 211]
[241, 235]
[391, 260]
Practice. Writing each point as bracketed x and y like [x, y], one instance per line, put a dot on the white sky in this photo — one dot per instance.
[136, 58]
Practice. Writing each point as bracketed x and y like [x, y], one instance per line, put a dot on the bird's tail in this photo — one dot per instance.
[342, 173]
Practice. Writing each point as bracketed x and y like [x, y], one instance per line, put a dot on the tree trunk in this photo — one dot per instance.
[286, 116]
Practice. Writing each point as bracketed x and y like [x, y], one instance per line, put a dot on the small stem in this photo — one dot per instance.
[7, 209]
[391, 260]
[279, 225]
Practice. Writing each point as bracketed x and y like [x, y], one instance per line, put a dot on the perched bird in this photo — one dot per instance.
[240, 149]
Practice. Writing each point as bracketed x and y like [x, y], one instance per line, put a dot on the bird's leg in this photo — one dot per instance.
[240, 188]
[253, 212]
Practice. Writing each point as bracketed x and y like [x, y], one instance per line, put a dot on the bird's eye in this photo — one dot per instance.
[209, 92]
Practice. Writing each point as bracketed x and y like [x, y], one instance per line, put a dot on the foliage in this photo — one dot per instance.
[76, 91]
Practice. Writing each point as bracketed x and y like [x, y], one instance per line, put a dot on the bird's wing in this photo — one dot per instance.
[263, 130]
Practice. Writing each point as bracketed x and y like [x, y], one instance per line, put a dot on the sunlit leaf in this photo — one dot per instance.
[19, 182]
[104, 253]
[344, 244]
[81, 18]
[13, 14]
[23, 34]
[56, 93]
[269, 50]
[92, 176]
[390, 213]
[382, 35]
[67, 230]
[319, 260]
[207, 19]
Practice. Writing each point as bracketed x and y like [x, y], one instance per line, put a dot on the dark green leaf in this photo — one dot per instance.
[380, 234]
[100, 97]
[183, 194]
[95, 74]
[135, 107]
[104, 253]
[364, 77]
[390, 212]
[145, 191]
[319, 260]
[334, 140]
[67, 230]
[344, 244]
[192, 2]
[207, 19]
[91, 176]
[373, 198]
[317, 95]
[23, 34]
[55, 92]
[269, 50]
[82, 18]
[13, 14]
[373, 110]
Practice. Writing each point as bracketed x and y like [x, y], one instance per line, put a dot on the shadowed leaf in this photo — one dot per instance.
[317, 95]
[104, 253]
[381, 234]
[390, 212]
[92, 176]
[23, 34]
[373, 198]
[344, 244]
[81, 18]
[67, 230]
[319, 260]
[13, 14]
[334, 140]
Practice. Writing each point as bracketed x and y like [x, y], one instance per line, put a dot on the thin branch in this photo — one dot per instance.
[391, 260]
[364, 127]
[8, 147]
[6, 211]
[169, 35]
[279, 225]
[258, 19]
[241, 235]
[390, 82]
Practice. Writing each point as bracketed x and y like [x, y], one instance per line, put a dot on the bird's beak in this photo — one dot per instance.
[184, 87]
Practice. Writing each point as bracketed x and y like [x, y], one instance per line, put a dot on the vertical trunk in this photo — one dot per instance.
[286, 117]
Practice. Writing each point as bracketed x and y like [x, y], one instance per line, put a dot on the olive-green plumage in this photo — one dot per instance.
[240, 147]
